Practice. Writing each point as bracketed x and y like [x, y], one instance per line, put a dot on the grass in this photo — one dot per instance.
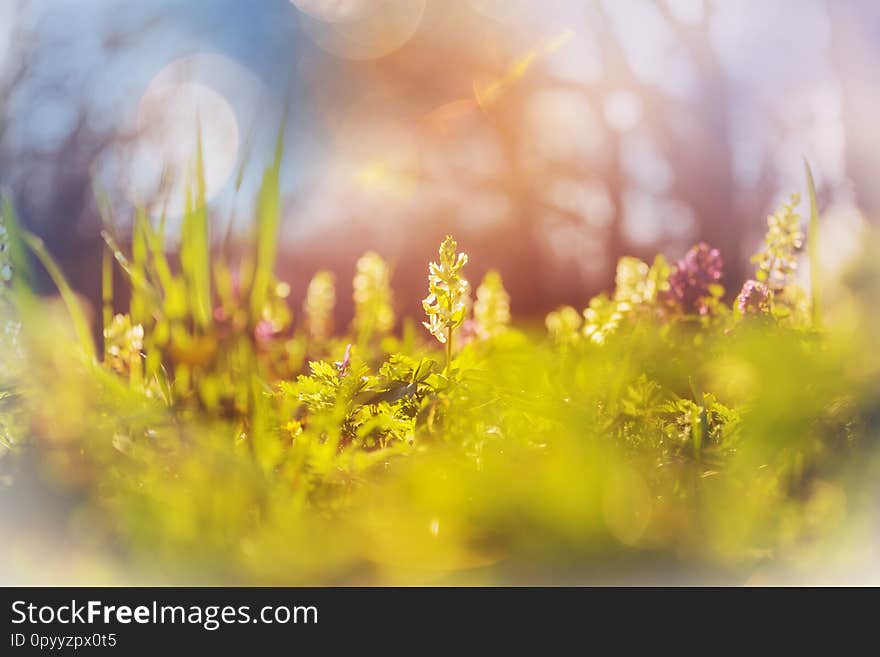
[214, 440]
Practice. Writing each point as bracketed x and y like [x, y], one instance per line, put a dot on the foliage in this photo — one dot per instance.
[238, 445]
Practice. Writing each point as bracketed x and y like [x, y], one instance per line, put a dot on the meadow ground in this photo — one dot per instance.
[669, 432]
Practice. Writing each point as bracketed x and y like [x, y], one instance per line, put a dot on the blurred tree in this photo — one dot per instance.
[533, 131]
[855, 35]
[52, 134]
[487, 87]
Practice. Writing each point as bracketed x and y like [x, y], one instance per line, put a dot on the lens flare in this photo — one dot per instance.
[490, 92]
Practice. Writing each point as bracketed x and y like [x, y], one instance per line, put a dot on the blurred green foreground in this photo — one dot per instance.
[662, 435]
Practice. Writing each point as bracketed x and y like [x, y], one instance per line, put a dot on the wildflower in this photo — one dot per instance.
[265, 331]
[447, 302]
[629, 281]
[564, 325]
[293, 428]
[693, 283]
[492, 307]
[754, 298]
[601, 318]
[123, 343]
[636, 283]
[275, 317]
[373, 299]
[318, 306]
[777, 260]
[343, 365]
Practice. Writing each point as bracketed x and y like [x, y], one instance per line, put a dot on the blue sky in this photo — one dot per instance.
[263, 37]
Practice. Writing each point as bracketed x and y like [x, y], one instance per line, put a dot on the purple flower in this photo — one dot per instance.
[342, 365]
[264, 333]
[754, 298]
[693, 277]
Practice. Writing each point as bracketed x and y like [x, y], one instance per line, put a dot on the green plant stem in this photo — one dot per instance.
[107, 288]
[700, 431]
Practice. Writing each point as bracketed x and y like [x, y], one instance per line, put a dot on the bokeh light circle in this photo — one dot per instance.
[173, 112]
[360, 30]
[332, 11]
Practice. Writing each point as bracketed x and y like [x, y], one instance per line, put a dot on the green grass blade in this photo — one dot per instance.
[269, 219]
[139, 256]
[160, 266]
[202, 264]
[139, 282]
[195, 247]
[107, 287]
[77, 316]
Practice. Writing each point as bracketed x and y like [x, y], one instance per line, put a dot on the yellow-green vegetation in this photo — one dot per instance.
[211, 438]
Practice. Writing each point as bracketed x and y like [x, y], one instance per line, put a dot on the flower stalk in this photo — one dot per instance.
[448, 297]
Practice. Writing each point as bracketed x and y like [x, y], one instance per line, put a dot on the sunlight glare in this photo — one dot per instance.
[168, 113]
[362, 32]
